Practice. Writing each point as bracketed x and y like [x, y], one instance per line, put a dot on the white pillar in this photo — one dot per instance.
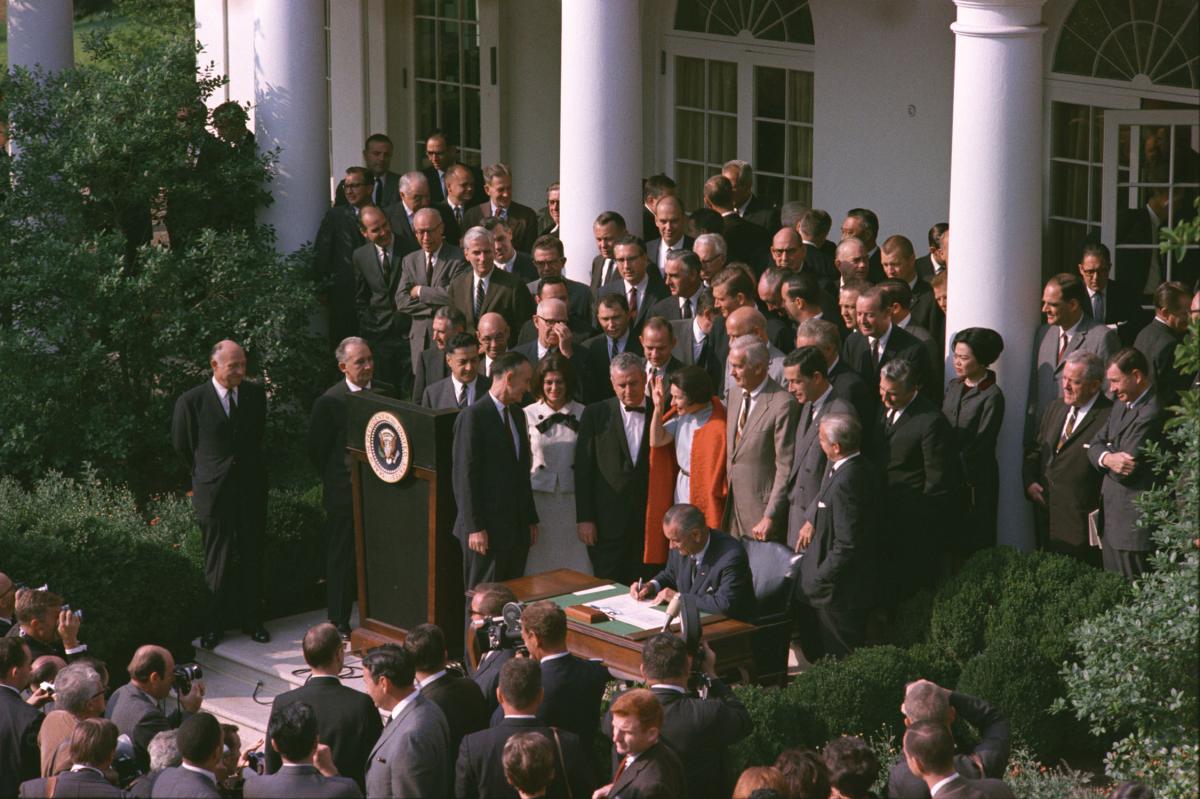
[212, 32]
[996, 211]
[39, 34]
[292, 114]
[600, 126]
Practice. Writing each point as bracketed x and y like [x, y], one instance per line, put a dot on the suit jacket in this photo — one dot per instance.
[441, 395]
[327, 441]
[487, 675]
[747, 242]
[596, 357]
[809, 462]
[760, 461]
[428, 369]
[1127, 430]
[82, 784]
[573, 689]
[925, 269]
[20, 758]
[838, 564]
[1072, 486]
[722, 583]
[436, 195]
[992, 750]
[926, 313]
[1123, 308]
[656, 290]
[656, 773]
[762, 213]
[180, 783]
[578, 362]
[480, 770]
[412, 756]
[505, 295]
[462, 703]
[521, 219]
[1045, 382]
[848, 385]
[301, 782]
[347, 721]
[337, 239]
[491, 480]
[610, 487]
[449, 265]
[523, 268]
[598, 270]
[398, 218]
[685, 351]
[856, 349]
[654, 246]
[1157, 342]
[581, 317]
[137, 715]
[668, 307]
[986, 788]
[375, 293]
[821, 265]
[391, 191]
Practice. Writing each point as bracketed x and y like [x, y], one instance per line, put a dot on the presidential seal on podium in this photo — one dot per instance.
[386, 444]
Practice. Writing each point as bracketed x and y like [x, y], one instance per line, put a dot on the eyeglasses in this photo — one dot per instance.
[784, 251]
[553, 321]
[494, 339]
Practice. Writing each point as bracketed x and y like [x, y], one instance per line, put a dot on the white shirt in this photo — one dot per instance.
[458, 389]
[937, 787]
[83, 767]
[1070, 332]
[555, 656]
[496, 210]
[691, 302]
[354, 389]
[698, 337]
[199, 770]
[223, 395]
[666, 687]
[883, 340]
[635, 426]
[663, 250]
[403, 703]
[838, 463]
[500, 408]
[382, 251]
[904, 323]
[1080, 413]
[820, 401]
[476, 280]
[507, 266]
[641, 290]
[430, 679]
[622, 341]
[753, 399]
[893, 416]
[487, 365]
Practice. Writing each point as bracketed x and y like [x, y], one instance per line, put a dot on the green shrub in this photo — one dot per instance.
[1029, 779]
[779, 722]
[964, 604]
[911, 624]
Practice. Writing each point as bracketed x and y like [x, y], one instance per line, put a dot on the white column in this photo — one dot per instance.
[292, 114]
[996, 211]
[600, 126]
[212, 32]
[39, 34]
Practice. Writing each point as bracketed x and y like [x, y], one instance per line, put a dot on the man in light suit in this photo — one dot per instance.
[384, 184]
[485, 289]
[1118, 451]
[377, 276]
[682, 274]
[929, 753]
[497, 521]
[308, 771]
[671, 223]
[642, 287]
[202, 746]
[612, 467]
[464, 386]
[1068, 329]
[425, 276]
[460, 698]
[412, 756]
[806, 379]
[706, 564]
[93, 745]
[760, 443]
[521, 219]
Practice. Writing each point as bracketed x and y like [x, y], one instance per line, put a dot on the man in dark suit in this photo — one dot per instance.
[1118, 452]
[935, 261]
[218, 431]
[552, 323]
[136, 706]
[346, 719]
[384, 185]
[464, 386]
[337, 239]
[1159, 340]
[496, 521]
[900, 264]
[327, 452]
[693, 339]
[671, 223]
[814, 227]
[746, 242]
[20, 722]
[802, 298]
[486, 289]
[480, 772]
[459, 698]
[202, 746]
[608, 227]
[929, 754]
[1056, 463]
[658, 343]
[847, 385]
[612, 457]
[641, 286]
[863, 224]
[914, 447]
[839, 540]
[550, 261]
[377, 267]
[704, 563]
[487, 602]
[293, 733]
[431, 367]
[926, 702]
[93, 745]
[654, 189]
[806, 379]
[612, 315]
[790, 253]
[646, 767]
[521, 219]
[460, 197]
[414, 196]
[878, 342]
[548, 216]
[897, 302]
[683, 279]
[48, 629]
[557, 287]
[749, 205]
[425, 276]
[518, 264]
[443, 157]
[1140, 226]
[1110, 302]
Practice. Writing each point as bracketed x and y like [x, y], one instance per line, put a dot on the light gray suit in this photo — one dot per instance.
[411, 760]
[449, 265]
[1044, 381]
[809, 463]
[760, 461]
[180, 783]
[300, 782]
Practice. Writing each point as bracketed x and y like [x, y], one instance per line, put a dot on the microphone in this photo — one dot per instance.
[673, 609]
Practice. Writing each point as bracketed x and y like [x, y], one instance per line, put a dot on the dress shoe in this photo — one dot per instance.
[210, 640]
[344, 630]
[257, 633]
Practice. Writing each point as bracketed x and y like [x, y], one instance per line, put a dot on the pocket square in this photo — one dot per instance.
[821, 504]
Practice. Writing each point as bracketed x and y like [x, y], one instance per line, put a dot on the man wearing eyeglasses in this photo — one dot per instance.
[425, 277]
[554, 335]
[442, 156]
[384, 184]
[642, 288]
[337, 239]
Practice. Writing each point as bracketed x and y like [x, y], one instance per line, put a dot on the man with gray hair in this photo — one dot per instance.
[425, 276]
[1059, 480]
[486, 289]
[414, 195]
[78, 695]
[552, 322]
[612, 468]
[164, 754]
[749, 321]
[750, 206]
[711, 250]
[926, 701]
[760, 440]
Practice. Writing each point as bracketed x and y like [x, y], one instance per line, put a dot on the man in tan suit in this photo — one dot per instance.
[425, 277]
[760, 441]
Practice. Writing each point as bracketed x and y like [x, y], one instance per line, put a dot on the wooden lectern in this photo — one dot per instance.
[409, 563]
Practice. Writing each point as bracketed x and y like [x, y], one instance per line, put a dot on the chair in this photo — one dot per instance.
[774, 568]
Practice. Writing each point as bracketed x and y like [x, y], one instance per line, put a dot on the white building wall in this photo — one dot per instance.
[529, 83]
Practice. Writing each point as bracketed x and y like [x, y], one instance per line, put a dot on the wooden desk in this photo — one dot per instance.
[731, 640]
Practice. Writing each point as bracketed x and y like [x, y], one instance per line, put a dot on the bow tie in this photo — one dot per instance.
[565, 419]
[635, 409]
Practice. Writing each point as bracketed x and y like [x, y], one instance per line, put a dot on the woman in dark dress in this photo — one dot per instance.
[975, 407]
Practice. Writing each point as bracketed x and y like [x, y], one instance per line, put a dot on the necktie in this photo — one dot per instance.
[1098, 306]
[462, 396]
[875, 352]
[379, 192]
[442, 180]
[1070, 428]
[458, 215]
[634, 408]
[479, 291]
[428, 269]
[503, 214]
[633, 308]
[1062, 344]
[693, 570]
[620, 768]
[685, 309]
[812, 414]
[608, 270]
[745, 412]
[385, 266]
[614, 348]
[233, 408]
[891, 418]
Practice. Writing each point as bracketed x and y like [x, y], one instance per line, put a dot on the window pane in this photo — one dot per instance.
[689, 135]
[1062, 251]
[448, 51]
[451, 109]
[800, 99]
[426, 100]
[1069, 124]
[800, 191]
[769, 187]
[689, 82]
[690, 179]
[470, 44]
[722, 139]
[800, 151]
[768, 147]
[448, 8]
[1095, 192]
[722, 86]
[469, 11]
[1097, 135]
[426, 47]
[1068, 190]
[472, 135]
[426, 7]
[769, 92]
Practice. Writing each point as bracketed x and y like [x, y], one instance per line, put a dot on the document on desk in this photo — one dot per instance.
[624, 608]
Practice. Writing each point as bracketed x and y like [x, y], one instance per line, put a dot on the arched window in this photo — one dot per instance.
[772, 20]
[1120, 40]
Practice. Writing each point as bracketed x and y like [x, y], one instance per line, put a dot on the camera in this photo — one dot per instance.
[185, 674]
[126, 767]
[256, 762]
[48, 687]
[504, 631]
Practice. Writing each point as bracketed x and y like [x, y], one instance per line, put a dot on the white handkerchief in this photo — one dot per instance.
[822, 505]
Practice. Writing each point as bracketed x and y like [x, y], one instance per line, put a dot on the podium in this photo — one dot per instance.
[409, 563]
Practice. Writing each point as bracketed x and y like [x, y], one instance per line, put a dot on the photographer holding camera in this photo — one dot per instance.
[487, 603]
[47, 625]
[136, 707]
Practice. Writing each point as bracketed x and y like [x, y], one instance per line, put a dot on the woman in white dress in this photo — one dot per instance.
[553, 423]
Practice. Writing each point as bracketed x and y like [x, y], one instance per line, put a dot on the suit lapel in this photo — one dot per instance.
[757, 411]
[630, 774]
[617, 428]
[491, 296]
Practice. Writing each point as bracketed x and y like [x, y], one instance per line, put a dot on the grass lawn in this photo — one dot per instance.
[96, 22]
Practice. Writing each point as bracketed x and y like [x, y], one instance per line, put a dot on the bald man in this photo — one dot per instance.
[749, 321]
[671, 222]
[493, 337]
[218, 430]
[554, 335]
[136, 707]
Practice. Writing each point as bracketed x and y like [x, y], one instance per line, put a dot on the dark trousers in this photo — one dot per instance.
[392, 362]
[341, 575]
[496, 566]
[232, 538]
[830, 631]
[619, 557]
[1126, 562]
